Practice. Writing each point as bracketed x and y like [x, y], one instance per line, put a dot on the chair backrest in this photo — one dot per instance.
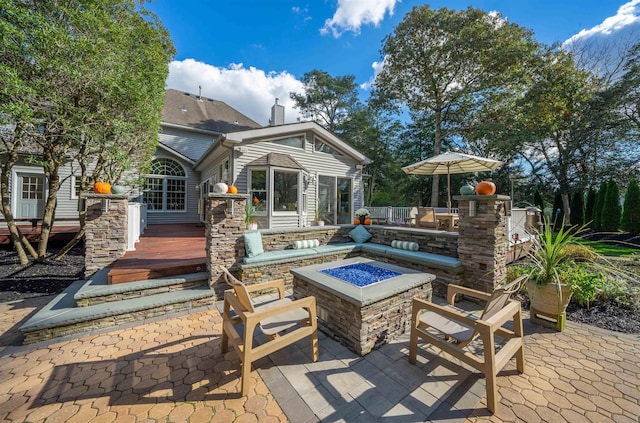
[426, 217]
[240, 290]
[500, 297]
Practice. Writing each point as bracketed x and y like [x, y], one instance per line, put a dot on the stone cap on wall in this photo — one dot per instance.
[228, 196]
[495, 197]
[101, 196]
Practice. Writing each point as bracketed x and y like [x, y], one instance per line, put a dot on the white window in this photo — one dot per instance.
[74, 187]
[166, 186]
[297, 142]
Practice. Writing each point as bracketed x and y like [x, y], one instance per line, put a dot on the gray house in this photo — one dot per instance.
[290, 170]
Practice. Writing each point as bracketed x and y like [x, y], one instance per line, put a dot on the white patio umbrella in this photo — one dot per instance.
[448, 163]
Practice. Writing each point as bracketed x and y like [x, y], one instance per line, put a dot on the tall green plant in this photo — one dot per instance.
[611, 210]
[577, 208]
[631, 214]
[590, 207]
[597, 209]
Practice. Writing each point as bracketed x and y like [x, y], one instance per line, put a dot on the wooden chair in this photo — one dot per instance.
[426, 218]
[274, 320]
[451, 329]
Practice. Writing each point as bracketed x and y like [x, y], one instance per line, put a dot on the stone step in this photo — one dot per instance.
[61, 317]
[96, 290]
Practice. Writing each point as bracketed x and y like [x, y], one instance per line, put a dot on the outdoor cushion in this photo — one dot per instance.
[359, 234]
[269, 256]
[405, 245]
[336, 248]
[377, 249]
[305, 243]
[434, 260]
[253, 243]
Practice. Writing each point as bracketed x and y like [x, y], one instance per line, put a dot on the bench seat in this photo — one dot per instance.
[418, 257]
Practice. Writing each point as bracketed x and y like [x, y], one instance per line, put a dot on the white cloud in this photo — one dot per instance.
[628, 15]
[352, 14]
[377, 68]
[251, 91]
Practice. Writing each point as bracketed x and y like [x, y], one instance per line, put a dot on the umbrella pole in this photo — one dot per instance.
[448, 189]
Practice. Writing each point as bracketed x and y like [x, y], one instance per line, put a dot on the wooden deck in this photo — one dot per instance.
[58, 234]
[163, 250]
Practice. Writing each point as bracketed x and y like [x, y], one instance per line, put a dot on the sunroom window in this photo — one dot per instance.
[166, 186]
[285, 190]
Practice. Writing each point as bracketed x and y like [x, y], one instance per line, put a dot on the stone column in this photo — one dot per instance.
[224, 229]
[106, 230]
[482, 241]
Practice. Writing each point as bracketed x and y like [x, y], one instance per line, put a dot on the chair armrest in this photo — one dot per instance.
[504, 315]
[274, 284]
[453, 290]
[306, 302]
[419, 305]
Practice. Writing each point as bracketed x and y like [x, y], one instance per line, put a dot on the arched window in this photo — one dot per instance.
[166, 186]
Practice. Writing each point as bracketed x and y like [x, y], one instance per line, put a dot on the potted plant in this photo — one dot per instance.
[248, 213]
[362, 215]
[549, 292]
[317, 219]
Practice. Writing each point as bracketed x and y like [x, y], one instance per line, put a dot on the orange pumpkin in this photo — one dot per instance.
[356, 221]
[232, 189]
[486, 188]
[367, 221]
[102, 188]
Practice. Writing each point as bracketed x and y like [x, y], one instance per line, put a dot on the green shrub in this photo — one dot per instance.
[631, 214]
[585, 284]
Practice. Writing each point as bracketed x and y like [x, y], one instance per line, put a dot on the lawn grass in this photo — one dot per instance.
[610, 250]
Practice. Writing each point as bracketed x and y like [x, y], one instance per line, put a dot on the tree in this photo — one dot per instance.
[86, 83]
[447, 63]
[326, 100]
[559, 218]
[631, 215]
[537, 200]
[611, 210]
[577, 208]
[589, 208]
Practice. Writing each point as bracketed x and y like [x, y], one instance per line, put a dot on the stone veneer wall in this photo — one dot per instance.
[363, 328]
[105, 231]
[482, 245]
[224, 229]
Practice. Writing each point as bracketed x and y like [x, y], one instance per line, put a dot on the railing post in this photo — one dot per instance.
[224, 230]
[482, 240]
[106, 230]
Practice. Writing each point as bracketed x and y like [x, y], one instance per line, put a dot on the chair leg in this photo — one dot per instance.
[490, 371]
[517, 323]
[413, 345]
[225, 317]
[313, 339]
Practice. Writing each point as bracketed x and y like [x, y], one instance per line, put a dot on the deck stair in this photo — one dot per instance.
[94, 304]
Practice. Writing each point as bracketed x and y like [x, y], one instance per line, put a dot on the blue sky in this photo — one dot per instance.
[248, 52]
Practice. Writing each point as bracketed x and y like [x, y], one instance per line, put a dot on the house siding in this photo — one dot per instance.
[315, 163]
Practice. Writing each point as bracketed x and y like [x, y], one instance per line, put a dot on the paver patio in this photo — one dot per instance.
[172, 369]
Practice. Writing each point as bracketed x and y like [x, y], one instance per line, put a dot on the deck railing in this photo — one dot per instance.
[137, 223]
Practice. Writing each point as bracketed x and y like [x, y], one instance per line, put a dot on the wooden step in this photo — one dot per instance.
[142, 270]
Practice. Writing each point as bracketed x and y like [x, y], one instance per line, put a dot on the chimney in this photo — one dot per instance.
[277, 115]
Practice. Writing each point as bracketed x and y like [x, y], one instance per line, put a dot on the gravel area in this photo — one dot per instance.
[52, 277]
